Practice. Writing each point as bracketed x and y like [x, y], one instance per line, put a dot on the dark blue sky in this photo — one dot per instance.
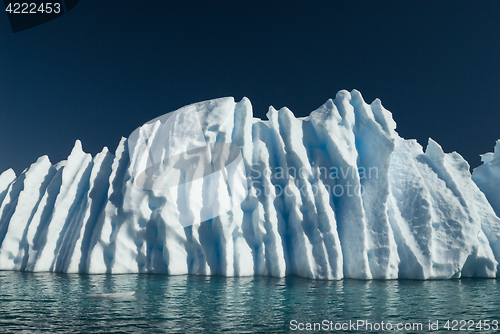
[107, 67]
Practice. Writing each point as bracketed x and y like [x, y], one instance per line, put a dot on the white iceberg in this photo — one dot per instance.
[332, 195]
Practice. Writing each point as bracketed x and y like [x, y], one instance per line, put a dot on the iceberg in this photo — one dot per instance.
[210, 190]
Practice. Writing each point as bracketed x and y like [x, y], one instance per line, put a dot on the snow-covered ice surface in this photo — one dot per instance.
[332, 195]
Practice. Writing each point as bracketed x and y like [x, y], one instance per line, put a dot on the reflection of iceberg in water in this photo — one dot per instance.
[117, 296]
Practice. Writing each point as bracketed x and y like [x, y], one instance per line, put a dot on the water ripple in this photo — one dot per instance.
[45, 302]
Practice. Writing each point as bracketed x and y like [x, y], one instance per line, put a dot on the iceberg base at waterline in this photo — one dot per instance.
[211, 190]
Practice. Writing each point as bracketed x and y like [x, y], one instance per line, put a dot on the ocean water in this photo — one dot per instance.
[62, 303]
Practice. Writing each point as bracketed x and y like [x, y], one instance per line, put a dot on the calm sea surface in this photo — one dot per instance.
[50, 303]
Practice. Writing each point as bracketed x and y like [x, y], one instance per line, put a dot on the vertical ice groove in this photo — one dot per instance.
[295, 238]
[333, 124]
[9, 204]
[14, 247]
[221, 261]
[254, 207]
[124, 241]
[375, 146]
[73, 227]
[227, 229]
[37, 231]
[96, 199]
[67, 209]
[196, 261]
[327, 223]
[101, 248]
[216, 240]
[247, 237]
[154, 233]
[242, 137]
[265, 223]
[6, 178]
[298, 164]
